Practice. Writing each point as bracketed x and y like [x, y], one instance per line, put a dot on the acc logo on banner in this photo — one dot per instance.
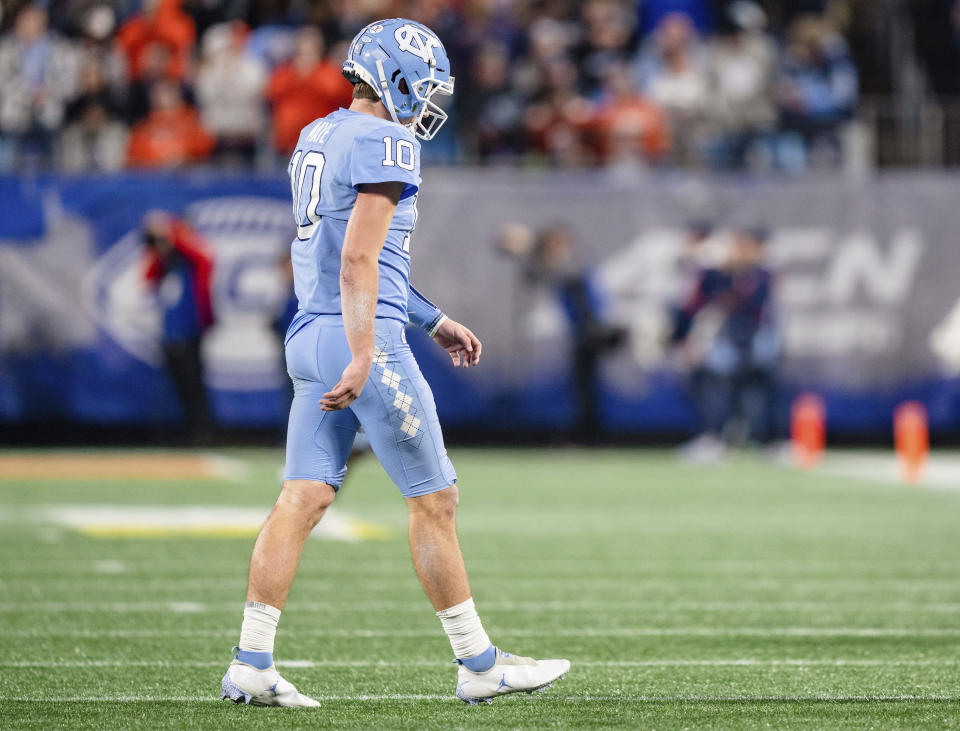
[248, 236]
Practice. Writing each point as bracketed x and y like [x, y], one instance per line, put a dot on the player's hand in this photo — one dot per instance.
[461, 344]
[348, 389]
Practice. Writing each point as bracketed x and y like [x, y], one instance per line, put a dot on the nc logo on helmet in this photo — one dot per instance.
[416, 41]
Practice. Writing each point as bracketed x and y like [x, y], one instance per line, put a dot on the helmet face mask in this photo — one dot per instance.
[431, 117]
[406, 64]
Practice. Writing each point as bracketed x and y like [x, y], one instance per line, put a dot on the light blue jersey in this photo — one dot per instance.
[396, 409]
[334, 155]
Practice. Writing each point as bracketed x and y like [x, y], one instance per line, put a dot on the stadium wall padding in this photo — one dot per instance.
[867, 291]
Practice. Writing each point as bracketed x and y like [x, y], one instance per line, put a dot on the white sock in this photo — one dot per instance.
[259, 627]
[463, 627]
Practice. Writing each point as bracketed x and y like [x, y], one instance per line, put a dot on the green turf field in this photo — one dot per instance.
[741, 595]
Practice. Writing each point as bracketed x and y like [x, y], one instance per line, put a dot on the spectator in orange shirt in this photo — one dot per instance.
[304, 89]
[171, 135]
[627, 126]
[162, 23]
[555, 123]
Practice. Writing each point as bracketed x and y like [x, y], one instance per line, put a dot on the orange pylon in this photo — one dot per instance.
[808, 429]
[911, 438]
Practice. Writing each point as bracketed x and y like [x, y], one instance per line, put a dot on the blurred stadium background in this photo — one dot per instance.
[712, 224]
[601, 156]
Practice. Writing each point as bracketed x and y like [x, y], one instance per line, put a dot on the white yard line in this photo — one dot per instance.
[758, 698]
[420, 606]
[173, 520]
[110, 566]
[816, 698]
[942, 471]
[441, 665]
[614, 581]
[780, 565]
[76, 565]
[585, 632]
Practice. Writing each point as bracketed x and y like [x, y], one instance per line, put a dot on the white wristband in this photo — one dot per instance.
[436, 327]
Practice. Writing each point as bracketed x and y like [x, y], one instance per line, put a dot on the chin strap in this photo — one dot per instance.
[385, 92]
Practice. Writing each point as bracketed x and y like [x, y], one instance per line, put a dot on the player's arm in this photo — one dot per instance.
[423, 313]
[359, 284]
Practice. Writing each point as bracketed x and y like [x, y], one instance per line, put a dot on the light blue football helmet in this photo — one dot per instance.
[406, 64]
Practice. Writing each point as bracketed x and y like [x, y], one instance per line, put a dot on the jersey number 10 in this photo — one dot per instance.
[402, 158]
[397, 153]
[305, 213]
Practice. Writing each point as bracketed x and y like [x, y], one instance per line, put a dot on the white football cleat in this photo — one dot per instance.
[246, 684]
[509, 674]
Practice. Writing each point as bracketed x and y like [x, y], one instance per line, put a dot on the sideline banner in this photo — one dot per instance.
[867, 291]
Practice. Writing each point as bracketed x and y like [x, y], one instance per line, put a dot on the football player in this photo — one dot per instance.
[355, 177]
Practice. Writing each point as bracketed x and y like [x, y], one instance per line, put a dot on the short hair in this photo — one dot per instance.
[362, 90]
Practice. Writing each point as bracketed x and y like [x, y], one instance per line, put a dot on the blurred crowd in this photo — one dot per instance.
[101, 85]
